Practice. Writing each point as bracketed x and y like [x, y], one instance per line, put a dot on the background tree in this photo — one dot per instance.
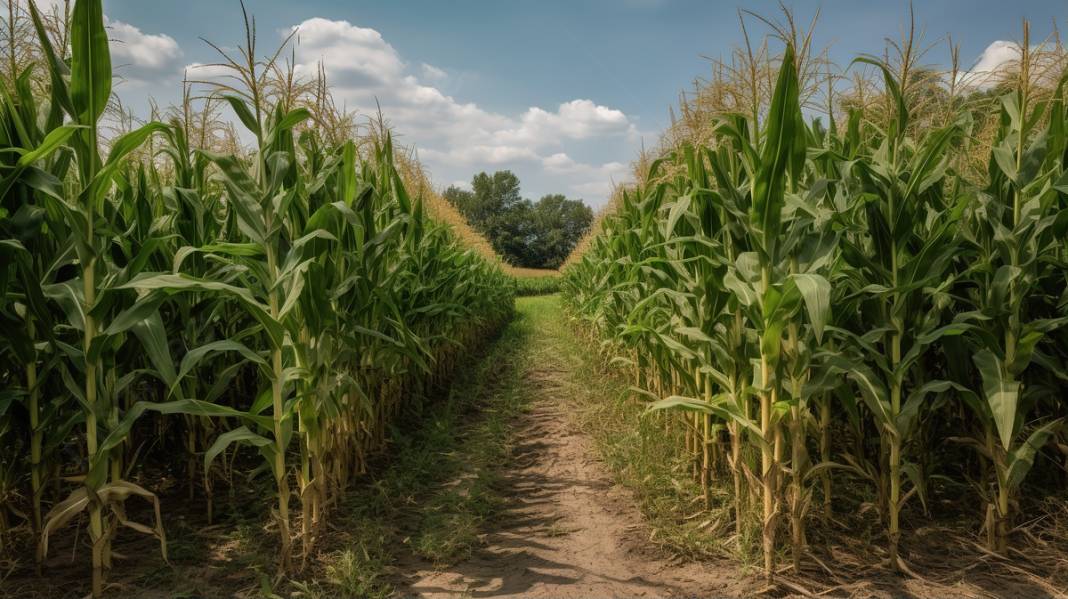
[530, 234]
[559, 223]
[490, 196]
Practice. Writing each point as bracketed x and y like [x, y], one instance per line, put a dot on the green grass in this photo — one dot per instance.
[532, 286]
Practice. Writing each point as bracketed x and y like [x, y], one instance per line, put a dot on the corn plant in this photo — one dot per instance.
[712, 283]
[287, 299]
[899, 269]
[761, 284]
[1014, 287]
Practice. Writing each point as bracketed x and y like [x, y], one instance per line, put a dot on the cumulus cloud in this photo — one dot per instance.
[996, 59]
[432, 72]
[354, 56]
[1001, 60]
[593, 189]
[584, 179]
[493, 155]
[141, 57]
[560, 162]
[577, 119]
[365, 71]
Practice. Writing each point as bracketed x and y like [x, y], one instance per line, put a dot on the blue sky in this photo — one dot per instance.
[561, 92]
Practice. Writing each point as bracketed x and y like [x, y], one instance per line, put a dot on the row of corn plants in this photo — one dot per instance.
[815, 308]
[286, 301]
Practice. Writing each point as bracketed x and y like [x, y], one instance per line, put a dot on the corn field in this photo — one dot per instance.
[284, 302]
[876, 299]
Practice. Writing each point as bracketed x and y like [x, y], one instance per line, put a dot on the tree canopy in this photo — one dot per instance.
[529, 234]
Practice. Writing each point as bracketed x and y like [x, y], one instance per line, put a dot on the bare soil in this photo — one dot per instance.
[569, 530]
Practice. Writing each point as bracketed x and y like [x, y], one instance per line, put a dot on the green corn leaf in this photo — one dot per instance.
[779, 139]
[720, 406]
[57, 69]
[1023, 457]
[144, 307]
[192, 407]
[894, 89]
[182, 283]
[290, 120]
[1002, 394]
[225, 248]
[52, 142]
[129, 142]
[241, 434]
[153, 336]
[244, 113]
[194, 356]
[816, 291]
[90, 69]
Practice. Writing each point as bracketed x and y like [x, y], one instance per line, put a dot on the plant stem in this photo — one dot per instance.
[280, 477]
[35, 433]
[767, 457]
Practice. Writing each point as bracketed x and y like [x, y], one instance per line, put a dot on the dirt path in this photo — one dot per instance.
[569, 530]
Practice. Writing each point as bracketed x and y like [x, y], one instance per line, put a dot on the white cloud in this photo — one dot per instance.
[432, 72]
[562, 163]
[353, 56]
[140, 57]
[208, 72]
[995, 60]
[585, 180]
[577, 119]
[365, 71]
[136, 56]
[559, 162]
[593, 189]
[493, 155]
[1001, 59]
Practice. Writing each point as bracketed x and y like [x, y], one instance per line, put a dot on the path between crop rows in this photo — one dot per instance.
[569, 530]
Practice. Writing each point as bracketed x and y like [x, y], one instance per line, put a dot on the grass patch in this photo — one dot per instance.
[537, 285]
[357, 572]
